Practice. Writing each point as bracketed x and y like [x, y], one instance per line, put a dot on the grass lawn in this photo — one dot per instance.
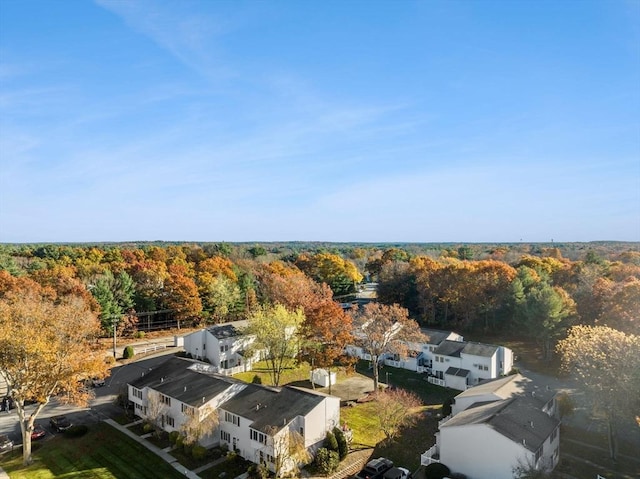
[430, 394]
[403, 451]
[232, 468]
[293, 372]
[103, 453]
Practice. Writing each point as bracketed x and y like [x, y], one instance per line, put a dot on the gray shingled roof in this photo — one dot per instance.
[229, 330]
[479, 349]
[463, 373]
[450, 348]
[173, 378]
[268, 408]
[511, 386]
[515, 418]
[435, 336]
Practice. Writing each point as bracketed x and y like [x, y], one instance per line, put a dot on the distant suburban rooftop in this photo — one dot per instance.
[515, 418]
[228, 330]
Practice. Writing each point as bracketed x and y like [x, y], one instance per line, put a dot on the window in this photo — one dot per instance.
[258, 436]
[188, 410]
[165, 399]
[232, 418]
[136, 393]
[169, 420]
[485, 368]
[225, 436]
[301, 431]
[224, 348]
[538, 455]
[553, 435]
[270, 459]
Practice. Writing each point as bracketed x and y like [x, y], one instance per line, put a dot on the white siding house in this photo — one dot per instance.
[254, 420]
[495, 427]
[448, 360]
[224, 346]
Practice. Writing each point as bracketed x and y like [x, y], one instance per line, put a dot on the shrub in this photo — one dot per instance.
[330, 442]
[173, 437]
[436, 471]
[224, 448]
[258, 471]
[139, 334]
[326, 461]
[76, 431]
[256, 379]
[128, 352]
[187, 448]
[343, 447]
[147, 427]
[446, 407]
[198, 452]
[110, 360]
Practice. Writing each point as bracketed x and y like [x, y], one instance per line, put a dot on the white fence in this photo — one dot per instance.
[436, 381]
[430, 456]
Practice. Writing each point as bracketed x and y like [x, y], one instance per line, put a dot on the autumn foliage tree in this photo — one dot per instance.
[46, 350]
[396, 409]
[380, 328]
[606, 362]
[340, 274]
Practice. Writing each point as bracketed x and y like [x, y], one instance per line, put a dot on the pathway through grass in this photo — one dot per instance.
[103, 453]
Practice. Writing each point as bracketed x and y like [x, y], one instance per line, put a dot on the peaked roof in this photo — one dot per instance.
[271, 408]
[228, 330]
[510, 386]
[190, 382]
[480, 349]
[450, 348]
[175, 379]
[514, 418]
[435, 336]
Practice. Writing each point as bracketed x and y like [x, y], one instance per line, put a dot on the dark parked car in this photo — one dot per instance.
[6, 444]
[375, 469]
[38, 432]
[60, 423]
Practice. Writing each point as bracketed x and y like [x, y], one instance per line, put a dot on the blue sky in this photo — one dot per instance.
[323, 120]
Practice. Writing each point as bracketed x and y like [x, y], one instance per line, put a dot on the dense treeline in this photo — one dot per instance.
[539, 290]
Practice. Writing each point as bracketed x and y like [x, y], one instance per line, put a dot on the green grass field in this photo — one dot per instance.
[103, 453]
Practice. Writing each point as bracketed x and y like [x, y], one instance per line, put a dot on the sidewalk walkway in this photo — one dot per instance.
[3, 475]
[156, 450]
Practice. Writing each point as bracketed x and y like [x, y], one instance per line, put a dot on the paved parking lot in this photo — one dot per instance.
[100, 408]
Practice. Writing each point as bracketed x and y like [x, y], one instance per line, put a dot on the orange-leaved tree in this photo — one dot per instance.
[380, 329]
[46, 349]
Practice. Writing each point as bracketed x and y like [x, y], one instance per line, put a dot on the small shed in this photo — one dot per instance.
[323, 378]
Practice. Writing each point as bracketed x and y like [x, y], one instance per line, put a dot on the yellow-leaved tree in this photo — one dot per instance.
[46, 350]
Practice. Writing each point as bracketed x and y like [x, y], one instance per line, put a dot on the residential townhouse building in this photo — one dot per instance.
[224, 346]
[496, 426]
[448, 360]
[254, 420]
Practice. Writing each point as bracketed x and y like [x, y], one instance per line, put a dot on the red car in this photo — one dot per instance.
[38, 432]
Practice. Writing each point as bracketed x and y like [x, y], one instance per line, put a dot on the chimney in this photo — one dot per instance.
[202, 399]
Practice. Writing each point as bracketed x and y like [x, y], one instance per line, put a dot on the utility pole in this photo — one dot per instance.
[114, 325]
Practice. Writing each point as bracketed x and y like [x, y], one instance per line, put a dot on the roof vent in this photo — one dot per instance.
[524, 442]
[531, 423]
[185, 389]
[162, 379]
[202, 399]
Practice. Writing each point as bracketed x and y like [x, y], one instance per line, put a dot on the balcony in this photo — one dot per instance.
[431, 456]
[436, 381]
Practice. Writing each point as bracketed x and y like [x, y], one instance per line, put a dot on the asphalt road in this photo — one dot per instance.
[101, 407]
